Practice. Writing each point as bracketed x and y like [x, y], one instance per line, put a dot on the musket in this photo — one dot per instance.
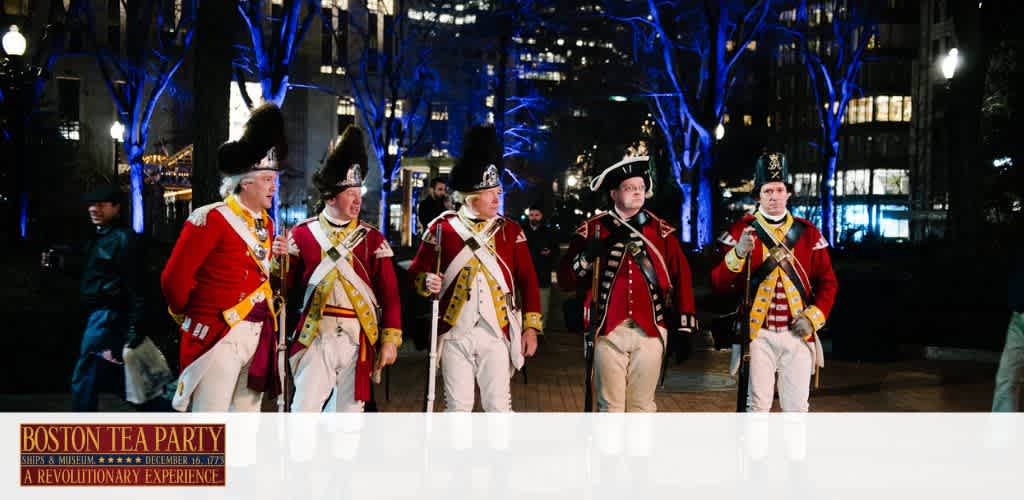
[281, 306]
[742, 329]
[590, 334]
[434, 318]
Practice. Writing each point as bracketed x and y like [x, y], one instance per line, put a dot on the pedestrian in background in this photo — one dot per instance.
[543, 243]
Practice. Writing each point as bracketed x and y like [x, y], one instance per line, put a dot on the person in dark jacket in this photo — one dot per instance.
[434, 203]
[544, 250]
[111, 295]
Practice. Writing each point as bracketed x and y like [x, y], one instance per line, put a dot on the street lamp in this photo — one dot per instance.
[572, 181]
[949, 63]
[719, 132]
[117, 134]
[14, 42]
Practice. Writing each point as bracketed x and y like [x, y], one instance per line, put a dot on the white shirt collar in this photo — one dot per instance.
[336, 222]
[772, 218]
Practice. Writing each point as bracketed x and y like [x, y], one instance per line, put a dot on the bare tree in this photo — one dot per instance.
[833, 63]
[391, 81]
[158, 34]
[689, 53]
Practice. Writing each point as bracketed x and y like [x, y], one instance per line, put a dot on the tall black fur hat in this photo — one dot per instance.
[345, 165]
[264, 136]
[477, 168]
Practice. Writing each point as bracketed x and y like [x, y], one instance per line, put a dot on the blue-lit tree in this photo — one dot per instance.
[689, 53]
[276, 31]
[158, 34]
[391, 81]
[832, 37]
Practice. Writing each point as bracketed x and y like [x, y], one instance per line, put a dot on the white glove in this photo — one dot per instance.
[746, 243]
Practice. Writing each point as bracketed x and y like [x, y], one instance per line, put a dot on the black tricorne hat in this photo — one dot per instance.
[630, 166]
[264, 136]
[344, 166]
[477, 169]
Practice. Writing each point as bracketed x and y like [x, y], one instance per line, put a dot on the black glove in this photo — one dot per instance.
[680, 345]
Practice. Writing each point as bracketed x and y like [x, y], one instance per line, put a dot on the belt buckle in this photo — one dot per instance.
[633, 248]
[333, 253]
[779, 254]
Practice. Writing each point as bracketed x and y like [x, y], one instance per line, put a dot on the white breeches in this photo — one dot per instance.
[478, 355]
[328, 364]
[218, 380]
[789, 356]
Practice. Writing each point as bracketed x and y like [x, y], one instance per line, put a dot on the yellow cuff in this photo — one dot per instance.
[391, 336]
[816, 317]
[533, 320]
[733, 262]
[178, 318]
[421, 285]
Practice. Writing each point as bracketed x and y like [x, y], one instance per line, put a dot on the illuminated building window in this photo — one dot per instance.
[397, 108]
[68, 90]
[439, 112]
[346, 107]
[805, 184]
[894, 221]
[891, 181]
[853, 182]
[748, 120]
[882, 108]
[725, 118]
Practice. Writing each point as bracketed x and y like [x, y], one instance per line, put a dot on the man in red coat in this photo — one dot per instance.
[217, 280]
[792, 286]
[490, 302]
[350, 326]
[644, 294]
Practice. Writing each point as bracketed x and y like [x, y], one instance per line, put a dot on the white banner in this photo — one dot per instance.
[588, 456]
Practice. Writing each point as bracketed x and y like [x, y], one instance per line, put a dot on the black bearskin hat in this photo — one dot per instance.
[263, 136]
[345, 165]
[478, 168]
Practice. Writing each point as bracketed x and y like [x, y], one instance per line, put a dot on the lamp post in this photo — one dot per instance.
[16, 107]
[117, 135]
[948, 65]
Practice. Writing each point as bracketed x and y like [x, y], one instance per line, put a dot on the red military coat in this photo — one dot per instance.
[815, 272]
[629, 293]
[210, 271]
[509, 244]
[372, 261]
